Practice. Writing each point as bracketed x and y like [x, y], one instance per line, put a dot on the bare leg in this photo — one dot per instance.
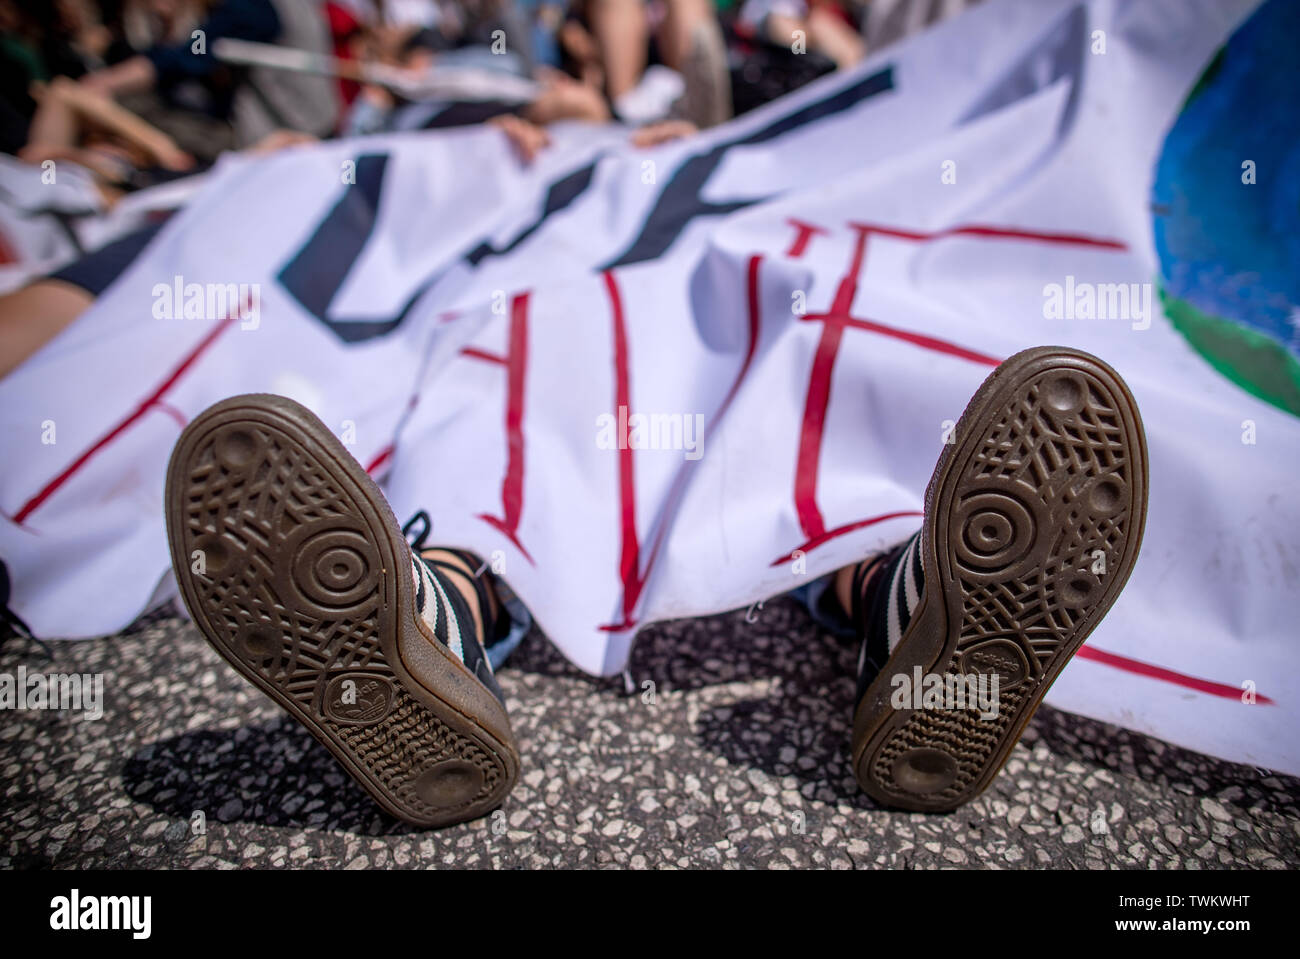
[622, 35]
[34, 315]
[462, 578]
[844, 579]
[91, 110]
[824, 32]
[830, 35]
[691, 42]
[780, 28]
[679, 24]
[56, 123]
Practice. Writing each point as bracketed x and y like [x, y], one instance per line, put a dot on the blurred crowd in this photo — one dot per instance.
[140, 91]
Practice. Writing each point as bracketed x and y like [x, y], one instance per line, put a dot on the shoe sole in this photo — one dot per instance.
[294, 568]
[1046, 481]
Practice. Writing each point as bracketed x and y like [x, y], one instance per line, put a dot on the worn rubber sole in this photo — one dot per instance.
[294, 568]
[1033, 521]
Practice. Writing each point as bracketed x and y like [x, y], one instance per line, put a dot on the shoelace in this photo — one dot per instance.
[417, 540]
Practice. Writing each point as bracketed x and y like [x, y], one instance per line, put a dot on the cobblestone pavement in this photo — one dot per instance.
[739, 761]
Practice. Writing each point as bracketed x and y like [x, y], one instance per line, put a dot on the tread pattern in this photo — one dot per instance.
[1041, 516]
[290, 584]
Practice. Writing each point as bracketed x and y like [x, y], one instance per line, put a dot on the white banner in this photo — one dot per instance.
[665, 383]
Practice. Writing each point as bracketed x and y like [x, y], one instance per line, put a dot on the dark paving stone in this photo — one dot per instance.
[735, 756]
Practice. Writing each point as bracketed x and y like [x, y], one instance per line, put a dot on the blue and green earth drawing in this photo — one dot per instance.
[1230, 251]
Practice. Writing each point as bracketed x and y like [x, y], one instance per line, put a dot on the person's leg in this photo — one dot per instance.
[527, 138]
[73, 110]
[458, 569]
[32, 316]
[622, 37]
[55, 125]
[295, 570]
[852, 585]
[681, 18]
[1033, 521]
[781, 28]
[691, 42]
[828, 33]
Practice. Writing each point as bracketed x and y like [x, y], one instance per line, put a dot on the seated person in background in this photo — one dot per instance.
[824, 26]
[122, 151]
[179, 85]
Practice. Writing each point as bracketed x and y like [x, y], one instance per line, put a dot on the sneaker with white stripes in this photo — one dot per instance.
[1033, 520]
[294, 568]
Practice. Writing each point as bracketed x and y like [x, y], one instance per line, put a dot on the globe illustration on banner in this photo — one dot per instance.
[1226, 207]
